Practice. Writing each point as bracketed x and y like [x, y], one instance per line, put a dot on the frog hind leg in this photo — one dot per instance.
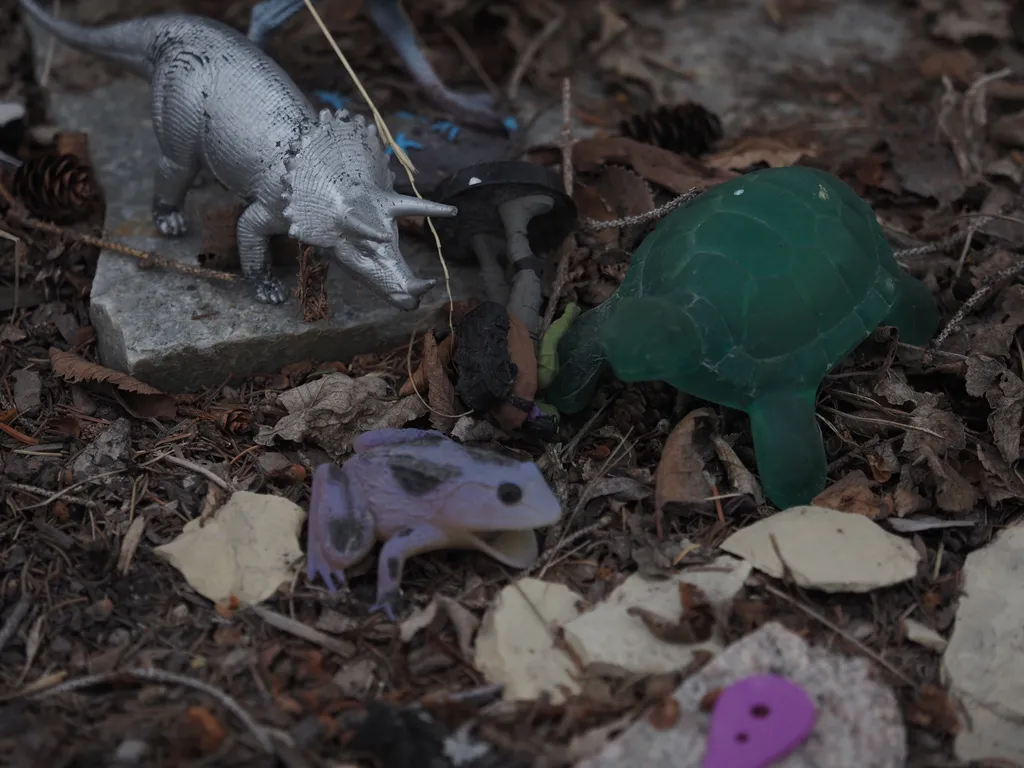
[788, 446]
[413, 540]
[651, 339]
[914, 312]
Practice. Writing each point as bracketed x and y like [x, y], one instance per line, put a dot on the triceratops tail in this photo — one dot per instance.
[125, 44]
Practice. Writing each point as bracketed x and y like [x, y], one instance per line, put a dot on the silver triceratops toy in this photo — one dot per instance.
[219, 102]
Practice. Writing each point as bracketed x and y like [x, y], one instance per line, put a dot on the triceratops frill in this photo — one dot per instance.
[339, 195]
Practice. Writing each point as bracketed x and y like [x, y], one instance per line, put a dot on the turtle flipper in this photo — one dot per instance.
[787, 444]
[914, 313]
[651, 338]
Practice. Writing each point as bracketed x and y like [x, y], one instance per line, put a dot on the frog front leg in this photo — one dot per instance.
[342, 529]
[413, 540]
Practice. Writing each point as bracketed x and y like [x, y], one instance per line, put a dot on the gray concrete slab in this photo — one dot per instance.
[177, 332]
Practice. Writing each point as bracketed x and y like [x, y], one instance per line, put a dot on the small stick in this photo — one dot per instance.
[149, 257]
[301, 631]
[845, 635]
[562, 273]
[208, 474]
[158, 675]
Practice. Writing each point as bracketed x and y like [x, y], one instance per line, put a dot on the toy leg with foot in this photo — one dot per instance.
[525, 299]
[788, 447]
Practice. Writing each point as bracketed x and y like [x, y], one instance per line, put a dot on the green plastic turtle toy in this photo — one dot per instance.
[748, 296]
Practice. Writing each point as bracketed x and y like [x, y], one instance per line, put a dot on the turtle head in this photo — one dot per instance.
[650, 339]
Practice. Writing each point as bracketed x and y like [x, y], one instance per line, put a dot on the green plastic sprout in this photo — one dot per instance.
[747, 297]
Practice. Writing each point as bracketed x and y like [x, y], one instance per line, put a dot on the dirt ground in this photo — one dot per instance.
[922, 133]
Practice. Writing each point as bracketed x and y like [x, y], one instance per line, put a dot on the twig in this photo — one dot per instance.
[593, 225]
[260, 733]
[14, 620]
[530, 52]
[613, 456]
[974, 300]
[153, 259]
[207, 473]
[44, 78]
[43, 492]
[472, 59]
[946, 244]
[301, 631]
[79, 484]
[562, 273]
[845, 635]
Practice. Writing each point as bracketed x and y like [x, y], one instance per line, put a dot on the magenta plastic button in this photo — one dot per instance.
[757, 721]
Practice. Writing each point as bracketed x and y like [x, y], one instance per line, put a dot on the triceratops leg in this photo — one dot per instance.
[173, 179]
[394, 24]
[255, 226]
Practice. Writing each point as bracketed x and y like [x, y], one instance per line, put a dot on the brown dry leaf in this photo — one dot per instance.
[679, 479]
[1000, 481]
[933, 429]
[418, 382]
[444, 409]
[522, 352]
[676, 173]
[591, 205]
[759, 149]
[953, 493]
[933, 709]
[204, 729]
[73, 368]
[987, 377]
[956, 63]
[853, 493]
[741, 479]
[628, 195]
[144, 406]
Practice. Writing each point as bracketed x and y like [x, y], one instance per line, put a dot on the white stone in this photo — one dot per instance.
[984, 661]
[248, 550]
[826, 549]
[858, 723]
[611, 641]
[516, 643]
[924, 635]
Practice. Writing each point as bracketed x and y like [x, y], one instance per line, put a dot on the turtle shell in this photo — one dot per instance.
[782, 272]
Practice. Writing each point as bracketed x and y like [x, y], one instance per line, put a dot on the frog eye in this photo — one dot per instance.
[509, 493]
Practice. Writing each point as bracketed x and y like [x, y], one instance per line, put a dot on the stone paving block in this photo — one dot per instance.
[178, 332]
[859, 723]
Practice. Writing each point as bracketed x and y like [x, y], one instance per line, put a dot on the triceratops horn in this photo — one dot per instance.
[403, 205]
[418, 286]
[354, 226]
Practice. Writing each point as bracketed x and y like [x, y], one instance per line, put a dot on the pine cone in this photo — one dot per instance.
[58, 188]
[685, 128]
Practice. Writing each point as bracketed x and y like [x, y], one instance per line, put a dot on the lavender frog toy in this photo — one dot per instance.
[221, 103]
[419, 491]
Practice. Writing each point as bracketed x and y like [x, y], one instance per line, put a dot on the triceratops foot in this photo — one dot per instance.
[169, 221]
[269, 290]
